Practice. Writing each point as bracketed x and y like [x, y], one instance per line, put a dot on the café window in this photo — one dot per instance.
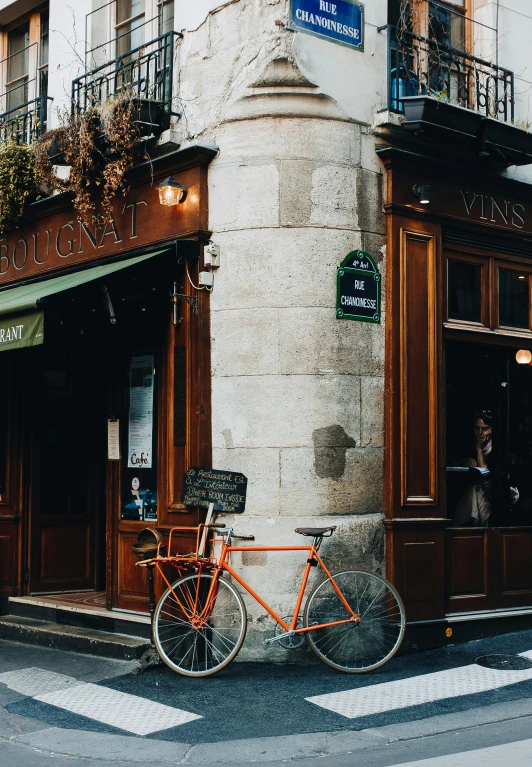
[139, 468]
[488, 292]
[465, 291]
[514, 299]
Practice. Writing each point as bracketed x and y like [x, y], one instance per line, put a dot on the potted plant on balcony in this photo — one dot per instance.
[438, 113]
[100, 146]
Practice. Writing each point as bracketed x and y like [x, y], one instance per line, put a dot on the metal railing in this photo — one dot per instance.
[145, 72]
[419, 66]
[25, 123]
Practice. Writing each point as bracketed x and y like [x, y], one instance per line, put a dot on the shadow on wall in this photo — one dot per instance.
[330, 447]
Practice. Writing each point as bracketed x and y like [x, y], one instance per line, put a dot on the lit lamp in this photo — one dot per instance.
[422, 192]
[170, 192]
[523, 357]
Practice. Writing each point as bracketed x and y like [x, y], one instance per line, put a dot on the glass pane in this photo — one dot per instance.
[139, 501]
[129, 36]
[19, 39]
[18, 66]
[44, 37]
[513, 299]
[166, 17]
[464, 291]
[446, 26]
[128, 8]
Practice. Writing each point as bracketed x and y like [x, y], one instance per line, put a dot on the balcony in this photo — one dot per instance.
[422, 67]
[454, 96]
[24, 102]
[144, 74]
[25, 123]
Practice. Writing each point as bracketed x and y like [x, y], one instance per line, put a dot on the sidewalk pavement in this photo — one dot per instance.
[94, 708]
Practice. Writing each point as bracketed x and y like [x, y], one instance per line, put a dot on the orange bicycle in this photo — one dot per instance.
[353, 620]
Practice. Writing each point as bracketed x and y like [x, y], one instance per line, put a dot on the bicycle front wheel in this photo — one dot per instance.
[198, 627]
[355, 647]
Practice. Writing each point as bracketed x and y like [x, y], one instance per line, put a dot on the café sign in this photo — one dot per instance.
[358, 293]
[340, 21]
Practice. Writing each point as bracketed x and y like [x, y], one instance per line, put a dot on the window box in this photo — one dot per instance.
[497, 141]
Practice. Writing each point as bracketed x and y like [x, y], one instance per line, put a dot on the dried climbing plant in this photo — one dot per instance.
[100, 146]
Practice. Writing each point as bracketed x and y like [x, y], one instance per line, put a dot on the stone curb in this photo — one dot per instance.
[119, 748]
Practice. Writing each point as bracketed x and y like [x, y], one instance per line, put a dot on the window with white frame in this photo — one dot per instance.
[120, 27]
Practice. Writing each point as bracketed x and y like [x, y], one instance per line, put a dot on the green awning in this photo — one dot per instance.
[21, 320]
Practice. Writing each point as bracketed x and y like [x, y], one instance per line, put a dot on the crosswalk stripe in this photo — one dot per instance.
[118, 709]
[426, 688]
[131, 713]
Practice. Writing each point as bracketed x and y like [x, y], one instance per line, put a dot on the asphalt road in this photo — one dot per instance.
[260, 713]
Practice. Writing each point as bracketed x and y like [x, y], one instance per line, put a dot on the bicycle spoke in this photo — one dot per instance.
[202, 648]
[355, 647]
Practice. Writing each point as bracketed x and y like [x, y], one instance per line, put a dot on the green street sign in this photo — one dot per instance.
[358, 288]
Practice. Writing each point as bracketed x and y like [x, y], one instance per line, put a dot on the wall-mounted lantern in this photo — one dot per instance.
[171, 192]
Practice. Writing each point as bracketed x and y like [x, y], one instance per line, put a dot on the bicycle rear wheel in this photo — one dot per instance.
[355, 648]
[197, 629]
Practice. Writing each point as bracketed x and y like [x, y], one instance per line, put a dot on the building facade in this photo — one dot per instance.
[297, 147]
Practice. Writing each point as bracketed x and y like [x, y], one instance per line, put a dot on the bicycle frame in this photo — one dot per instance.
[223, 565]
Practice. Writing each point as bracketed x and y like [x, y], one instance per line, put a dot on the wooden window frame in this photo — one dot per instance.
[485, 291]
[510, 266]
[490, 263]
[34, 64]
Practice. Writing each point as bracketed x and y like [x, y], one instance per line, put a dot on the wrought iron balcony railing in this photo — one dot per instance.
[418, 66]
[25, 123]
[145, 72]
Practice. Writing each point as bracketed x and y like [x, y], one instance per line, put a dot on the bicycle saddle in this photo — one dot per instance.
[314, 531]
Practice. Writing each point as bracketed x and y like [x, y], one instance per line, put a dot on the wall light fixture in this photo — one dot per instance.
[171, 192]
[422, 192]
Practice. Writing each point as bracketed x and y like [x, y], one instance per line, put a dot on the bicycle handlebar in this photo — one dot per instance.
[244, 537]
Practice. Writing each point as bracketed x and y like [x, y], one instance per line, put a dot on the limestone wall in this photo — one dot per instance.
[297, 394]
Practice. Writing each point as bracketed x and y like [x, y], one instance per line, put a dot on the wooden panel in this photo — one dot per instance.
[8, 557]
[419, 571]
[419, 369]
[516, 561]
[132, 581]
[468, 564]
[64, 553]
[415, 564]
[471, 562]
[180, 396]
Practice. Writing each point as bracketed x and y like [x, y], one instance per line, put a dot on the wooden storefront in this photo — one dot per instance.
[458, 308]
[68, 515]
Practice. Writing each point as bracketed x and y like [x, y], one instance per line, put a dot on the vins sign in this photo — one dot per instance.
[358, 295]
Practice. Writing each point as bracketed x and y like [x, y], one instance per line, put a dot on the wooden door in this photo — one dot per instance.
[65, 429]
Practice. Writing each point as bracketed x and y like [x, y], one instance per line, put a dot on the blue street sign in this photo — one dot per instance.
[341, 21]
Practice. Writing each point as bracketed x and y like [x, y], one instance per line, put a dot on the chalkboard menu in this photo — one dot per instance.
[358, 295]
[225, 489]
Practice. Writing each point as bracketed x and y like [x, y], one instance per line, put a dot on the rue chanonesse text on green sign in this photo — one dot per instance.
[358, 294]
